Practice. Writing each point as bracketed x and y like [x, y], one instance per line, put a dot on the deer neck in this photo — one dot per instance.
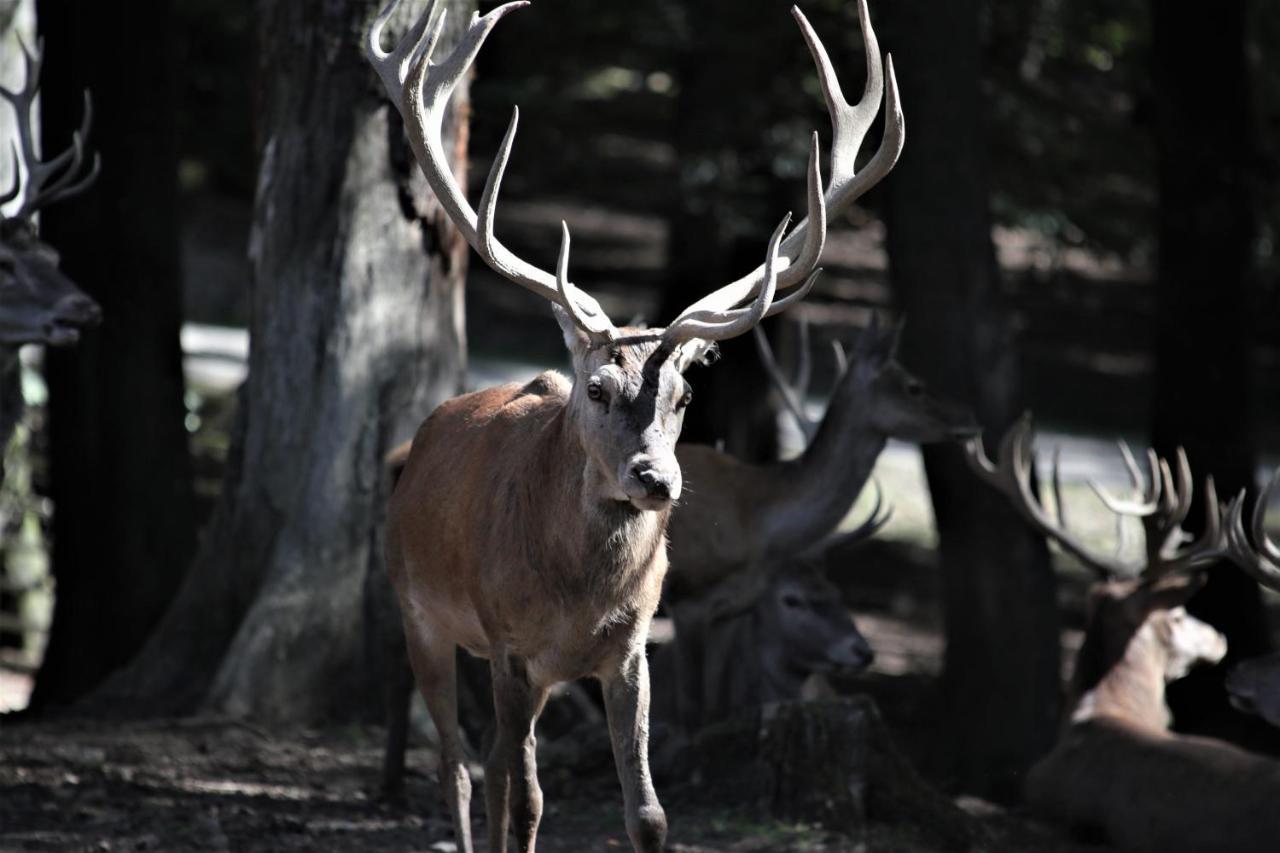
[1132, 689]
[810, 495]
[598, 530]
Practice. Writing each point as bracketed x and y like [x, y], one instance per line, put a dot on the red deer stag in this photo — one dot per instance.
[1117, 771]
[736, 514]
[528, 526]
[38, 304]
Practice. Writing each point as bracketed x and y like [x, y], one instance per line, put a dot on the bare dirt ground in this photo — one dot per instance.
[195, 785]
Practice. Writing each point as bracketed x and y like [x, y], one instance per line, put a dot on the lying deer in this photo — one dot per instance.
[1117, 770]
[38, 304]
[758, 636]
[736, 514]
[528, 526]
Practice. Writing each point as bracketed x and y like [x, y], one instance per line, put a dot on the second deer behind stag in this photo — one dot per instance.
[735, 514]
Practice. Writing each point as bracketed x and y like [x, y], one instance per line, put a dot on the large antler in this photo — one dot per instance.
[850, 123]
[1261, 561]
[420, 89]
[1163, 506]
[50, 180]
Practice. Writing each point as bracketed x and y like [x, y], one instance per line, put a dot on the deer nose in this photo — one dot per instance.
[655, 485]
[854, 653]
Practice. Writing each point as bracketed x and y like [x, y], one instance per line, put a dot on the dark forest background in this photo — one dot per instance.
[1083, 224]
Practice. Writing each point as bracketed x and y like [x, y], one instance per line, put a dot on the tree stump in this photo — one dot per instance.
[832, 763]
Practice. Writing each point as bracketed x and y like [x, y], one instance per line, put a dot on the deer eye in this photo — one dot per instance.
[791, 600]
[595, 390]
[685, 399]
[915, 389]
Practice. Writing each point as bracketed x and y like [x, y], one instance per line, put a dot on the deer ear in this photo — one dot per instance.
[575, 340]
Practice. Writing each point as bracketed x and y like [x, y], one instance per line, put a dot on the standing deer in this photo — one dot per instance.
[38, 304]
[1117, 770]
[736, 514]
[528, 526]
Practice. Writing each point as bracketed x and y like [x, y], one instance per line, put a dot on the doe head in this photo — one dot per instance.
[901, 406]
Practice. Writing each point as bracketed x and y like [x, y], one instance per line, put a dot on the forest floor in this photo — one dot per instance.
[214, 785]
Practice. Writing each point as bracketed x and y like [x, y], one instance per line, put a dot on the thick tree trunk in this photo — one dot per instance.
[1002, 659]
[1204, 333]
[123, 527]
[17, 20]
[357, 334]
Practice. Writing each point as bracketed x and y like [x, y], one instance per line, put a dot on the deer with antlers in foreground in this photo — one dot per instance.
[38, 303]
[736, 514]
[529, 523]
[1117, 770]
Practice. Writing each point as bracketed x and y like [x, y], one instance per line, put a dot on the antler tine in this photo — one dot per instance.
[793, 401]
[1150, 491]
[721, 325]
[1011, 475]
[1268, 548]
[849, 125]
[879, 516]
[842, 360]
[1261, 561]
[63, 169]
[12, 193]
[420, 90]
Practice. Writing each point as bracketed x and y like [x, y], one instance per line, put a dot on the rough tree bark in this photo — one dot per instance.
[123, 528]
[1204, 332]
[1002, 659]
[357, 333]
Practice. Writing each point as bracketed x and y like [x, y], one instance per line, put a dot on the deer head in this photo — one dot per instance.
[629, 390]
[871, 380]
[38, 303]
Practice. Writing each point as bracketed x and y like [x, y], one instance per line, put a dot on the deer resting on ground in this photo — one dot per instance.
[737, 514]
[758, 636]
[528, 526]
[38, 303]
[1117, 771]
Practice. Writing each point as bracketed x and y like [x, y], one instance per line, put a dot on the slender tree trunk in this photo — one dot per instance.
[730, 200]
[123, 526]
[357, 334]
[1204, 332]
[1002, 659]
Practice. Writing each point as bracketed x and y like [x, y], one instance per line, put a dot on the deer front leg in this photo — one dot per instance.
[434, 665]
[626, 700]
[511, 772]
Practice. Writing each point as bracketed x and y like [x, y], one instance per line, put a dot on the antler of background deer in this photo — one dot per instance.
[1163, 506]
[420, 89]
[47, 181]
[793, 393]
[1261, 560]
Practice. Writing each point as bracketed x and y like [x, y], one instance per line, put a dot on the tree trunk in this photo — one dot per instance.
[1204, 331]
[123, 527]
[730, 199]
[1002, 660]
[357, 334]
